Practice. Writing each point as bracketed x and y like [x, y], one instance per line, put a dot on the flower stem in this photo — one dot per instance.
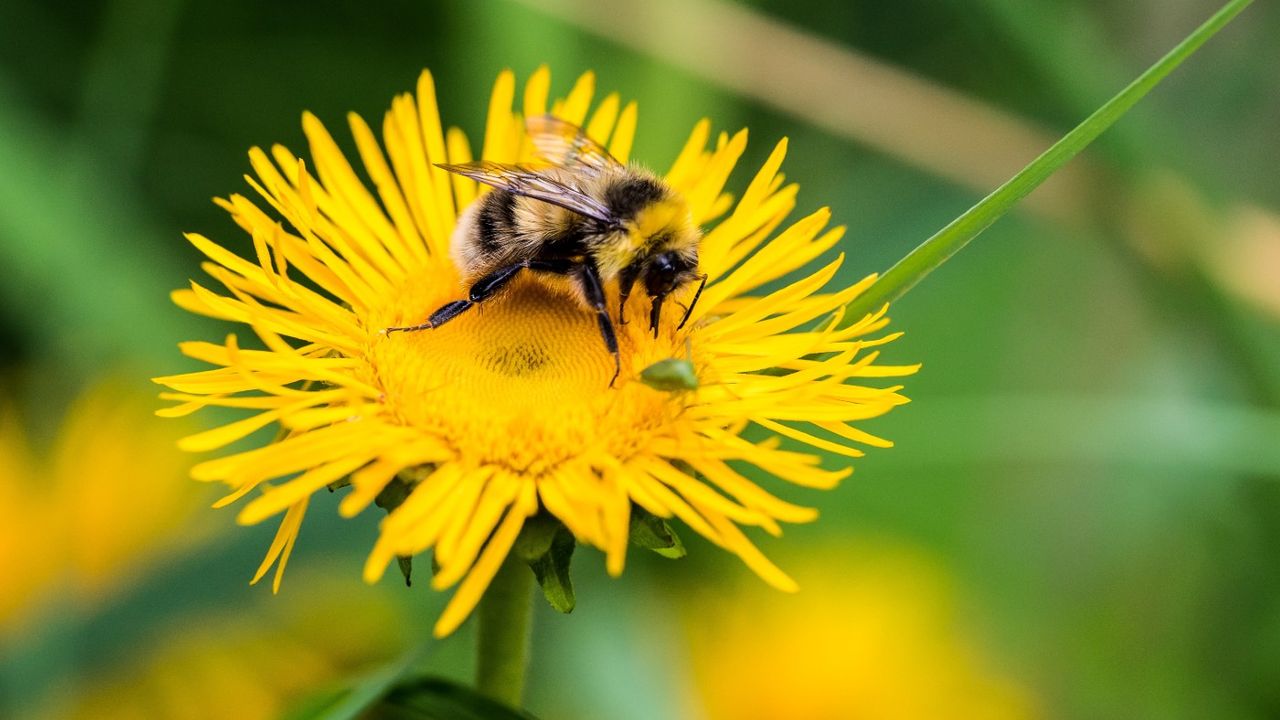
[502, 643]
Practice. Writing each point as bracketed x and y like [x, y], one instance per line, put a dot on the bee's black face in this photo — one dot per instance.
[663, 274]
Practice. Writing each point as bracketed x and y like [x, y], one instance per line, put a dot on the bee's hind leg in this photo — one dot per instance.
[438, 318]
[483, 289]
[588, 277]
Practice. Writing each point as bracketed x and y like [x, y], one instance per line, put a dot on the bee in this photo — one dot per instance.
[582, 215]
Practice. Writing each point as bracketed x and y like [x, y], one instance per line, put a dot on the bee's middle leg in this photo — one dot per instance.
[483, 289]
[588, 278]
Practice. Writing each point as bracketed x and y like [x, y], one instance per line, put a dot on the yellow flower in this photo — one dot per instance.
[875, 636]
[253, 664]
[505, 411]
[28, 567]
[101, 503]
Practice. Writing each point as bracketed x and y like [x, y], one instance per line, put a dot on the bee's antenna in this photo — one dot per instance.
[689, 310]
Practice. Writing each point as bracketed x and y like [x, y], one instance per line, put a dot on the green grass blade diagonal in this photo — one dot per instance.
[952, 238]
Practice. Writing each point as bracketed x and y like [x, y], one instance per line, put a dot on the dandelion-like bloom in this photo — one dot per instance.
[248, 663]
[507, 411]
[95, 509]
[876, 636]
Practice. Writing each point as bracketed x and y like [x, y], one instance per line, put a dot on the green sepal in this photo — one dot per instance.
[391, 497]
[406, 568]
[653, 533]
[547, 545]
[535, 537]
[552, 572]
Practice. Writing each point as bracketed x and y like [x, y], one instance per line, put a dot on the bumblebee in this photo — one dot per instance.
[580, 214]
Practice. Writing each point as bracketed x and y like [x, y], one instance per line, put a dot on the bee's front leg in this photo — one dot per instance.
[588, 278]
[626, 281]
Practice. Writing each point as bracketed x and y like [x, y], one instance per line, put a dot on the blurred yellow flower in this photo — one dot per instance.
[251, 665]
[106, 498]
[499, 414]
[875, 636]
[26, 566]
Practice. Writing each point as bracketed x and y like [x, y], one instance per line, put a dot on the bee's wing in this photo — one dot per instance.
[567, 145]
[528, 181]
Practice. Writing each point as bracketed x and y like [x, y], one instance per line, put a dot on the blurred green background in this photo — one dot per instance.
[1090, 463]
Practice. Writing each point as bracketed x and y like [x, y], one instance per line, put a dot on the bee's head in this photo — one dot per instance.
[666, 256]
[662, 274]
[666, 271]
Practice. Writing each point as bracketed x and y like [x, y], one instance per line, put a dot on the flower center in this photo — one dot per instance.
[521, 380]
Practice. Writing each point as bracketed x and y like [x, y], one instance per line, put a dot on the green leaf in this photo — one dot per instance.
[318, 705]
[351, 703]
[438, 699]
[552, 571]
[952, 238]
[653, 533]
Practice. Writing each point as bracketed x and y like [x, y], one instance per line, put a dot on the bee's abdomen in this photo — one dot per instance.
[496, 222]
[629, 195]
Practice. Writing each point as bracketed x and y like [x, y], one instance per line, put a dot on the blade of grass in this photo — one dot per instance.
[959, 232]
[82, 279]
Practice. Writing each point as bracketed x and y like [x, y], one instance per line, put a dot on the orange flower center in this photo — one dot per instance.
[521, 380]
